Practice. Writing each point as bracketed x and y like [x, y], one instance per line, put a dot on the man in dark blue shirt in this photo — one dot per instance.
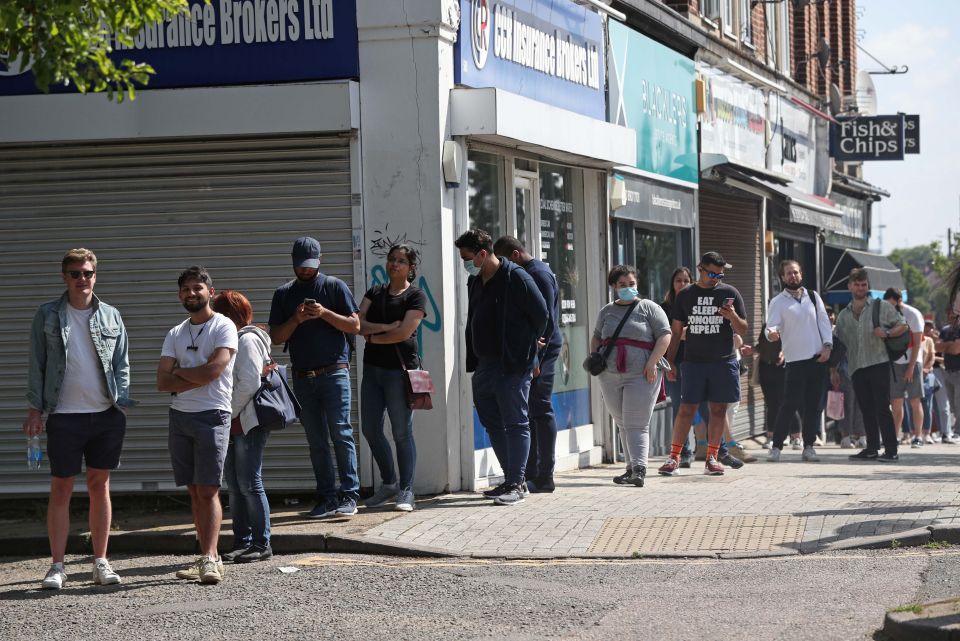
[505, 319]
[543, 422]
[316, 314]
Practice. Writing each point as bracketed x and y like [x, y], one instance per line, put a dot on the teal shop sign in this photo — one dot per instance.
[652, 92]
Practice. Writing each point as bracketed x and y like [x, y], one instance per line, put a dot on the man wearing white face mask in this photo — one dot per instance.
[506, 317]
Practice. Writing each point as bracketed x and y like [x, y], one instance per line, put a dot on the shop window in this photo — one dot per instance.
[485, 192]
[657, 255]
[562, 243]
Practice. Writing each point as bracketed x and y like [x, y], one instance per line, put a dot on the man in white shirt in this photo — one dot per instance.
[797, 317]
[196, 366]
[906, 379]
[79, 374]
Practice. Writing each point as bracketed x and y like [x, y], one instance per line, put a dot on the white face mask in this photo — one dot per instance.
[471, 268]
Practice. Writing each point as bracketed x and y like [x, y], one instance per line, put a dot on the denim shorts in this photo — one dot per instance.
[96, 437]
[714, 382]
[198, 446]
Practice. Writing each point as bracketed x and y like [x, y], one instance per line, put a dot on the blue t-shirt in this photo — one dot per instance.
[315, 343]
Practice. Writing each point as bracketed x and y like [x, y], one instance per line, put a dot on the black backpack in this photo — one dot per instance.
[897, 346]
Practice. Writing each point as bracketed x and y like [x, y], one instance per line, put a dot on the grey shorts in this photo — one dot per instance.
[198, 446]
[899, 387]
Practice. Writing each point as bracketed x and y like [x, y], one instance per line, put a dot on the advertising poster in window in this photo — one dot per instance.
[735, 120]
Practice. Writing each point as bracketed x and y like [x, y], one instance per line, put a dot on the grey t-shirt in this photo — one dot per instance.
[647, 323]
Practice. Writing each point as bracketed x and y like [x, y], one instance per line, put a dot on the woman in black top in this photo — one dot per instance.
[389, 317]
[681, 278]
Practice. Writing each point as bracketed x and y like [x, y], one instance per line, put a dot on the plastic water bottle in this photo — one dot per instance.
[34, 453]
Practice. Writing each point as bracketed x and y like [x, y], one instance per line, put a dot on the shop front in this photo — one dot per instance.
[653, 204]
[217, 163]
[528, 109]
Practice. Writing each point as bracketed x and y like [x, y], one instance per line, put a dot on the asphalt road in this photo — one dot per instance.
[365, 598]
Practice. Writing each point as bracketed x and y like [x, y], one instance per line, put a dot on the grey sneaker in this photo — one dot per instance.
[846, 443]
[209, 571]
[192, 573]
[406, 501]
[103, 574]
[512, 496]
[773, 456]
[862, 442]
[809, 455]
[55, 578]
[383, 494]
[346, 507]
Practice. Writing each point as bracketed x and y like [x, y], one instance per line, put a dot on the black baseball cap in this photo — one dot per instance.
[714, 258]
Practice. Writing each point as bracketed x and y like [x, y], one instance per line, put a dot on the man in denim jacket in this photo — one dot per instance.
[80, 377]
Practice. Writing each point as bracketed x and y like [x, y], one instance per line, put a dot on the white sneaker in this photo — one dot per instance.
[796, 444]
[929, 439]
[767, 444]
[862, 442]
[846, 443]
[405, 500]
[383, 494]
[103, 574]
[774, 455]
[809, 455]
[949, 439]
[55, 578]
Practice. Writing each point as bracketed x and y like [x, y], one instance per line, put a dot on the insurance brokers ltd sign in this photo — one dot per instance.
[868, 138]
[547, 50]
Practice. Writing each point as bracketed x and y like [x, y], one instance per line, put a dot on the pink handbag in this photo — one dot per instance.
[835, 404]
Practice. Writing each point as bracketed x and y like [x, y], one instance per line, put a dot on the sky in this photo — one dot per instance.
[924, 188]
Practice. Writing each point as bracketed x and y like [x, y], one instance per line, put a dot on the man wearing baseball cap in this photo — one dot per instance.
[314, 314]
[710, 312]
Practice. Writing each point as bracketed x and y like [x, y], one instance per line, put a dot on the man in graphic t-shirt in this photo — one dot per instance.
[196, 366]
[711, 313]
[79, 376]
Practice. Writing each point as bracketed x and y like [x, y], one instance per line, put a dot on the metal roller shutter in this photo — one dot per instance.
[730, 224]
[148, 209]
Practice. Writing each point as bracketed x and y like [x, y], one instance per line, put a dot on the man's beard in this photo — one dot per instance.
[195, 306]
[793, 287]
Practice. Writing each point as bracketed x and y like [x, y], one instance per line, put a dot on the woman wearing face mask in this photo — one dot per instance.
[633, 379]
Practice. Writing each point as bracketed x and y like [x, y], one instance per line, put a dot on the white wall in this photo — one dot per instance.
[406, 71]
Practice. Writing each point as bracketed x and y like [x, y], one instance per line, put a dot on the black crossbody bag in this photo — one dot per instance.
[596, 362]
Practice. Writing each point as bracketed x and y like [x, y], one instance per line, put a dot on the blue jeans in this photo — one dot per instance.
[502, 400]
[385, 391]
[325, 400]
[543, 421]
[249, 508]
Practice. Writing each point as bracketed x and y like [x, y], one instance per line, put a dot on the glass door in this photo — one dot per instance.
[526, 212]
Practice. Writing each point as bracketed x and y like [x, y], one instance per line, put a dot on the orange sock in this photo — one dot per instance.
[712, 451]
[675, 449]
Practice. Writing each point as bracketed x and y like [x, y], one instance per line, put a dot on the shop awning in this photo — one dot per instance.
[801, 208]
[500, 117]
[881, 271]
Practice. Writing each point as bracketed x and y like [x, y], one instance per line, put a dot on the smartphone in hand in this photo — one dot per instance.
[309, 301]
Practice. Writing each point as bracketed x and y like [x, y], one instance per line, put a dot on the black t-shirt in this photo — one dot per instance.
[485, 301]
[315, 343]
[709, 335]
[951, 362]
[385, 308]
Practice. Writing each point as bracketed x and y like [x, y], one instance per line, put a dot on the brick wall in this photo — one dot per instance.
[835, 22]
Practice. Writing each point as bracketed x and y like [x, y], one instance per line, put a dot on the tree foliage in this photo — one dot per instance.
[925, 272]
[69, 42]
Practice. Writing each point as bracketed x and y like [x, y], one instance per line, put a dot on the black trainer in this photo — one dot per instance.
[864, 455]
[888, 458]
[730, 460]
[637, 474]
[231, 556]
[541, 485]
[622, 479]
[254, 554]
[497, 491]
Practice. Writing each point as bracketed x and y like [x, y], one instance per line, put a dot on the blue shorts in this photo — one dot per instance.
[96, 437]
[715, 382]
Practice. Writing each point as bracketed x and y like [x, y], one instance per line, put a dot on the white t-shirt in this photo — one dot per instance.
[84, 387]
[207, 337]
[914, 320]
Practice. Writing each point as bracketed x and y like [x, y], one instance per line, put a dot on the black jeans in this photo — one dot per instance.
[804, 381]
[543, 422]
[772, 378]
[872, 387]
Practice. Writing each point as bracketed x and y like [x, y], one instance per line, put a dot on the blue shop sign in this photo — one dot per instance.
[652, 92]
[547, 50]
[236, 42]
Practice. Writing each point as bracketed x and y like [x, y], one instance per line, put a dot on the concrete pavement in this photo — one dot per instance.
[763, 509]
